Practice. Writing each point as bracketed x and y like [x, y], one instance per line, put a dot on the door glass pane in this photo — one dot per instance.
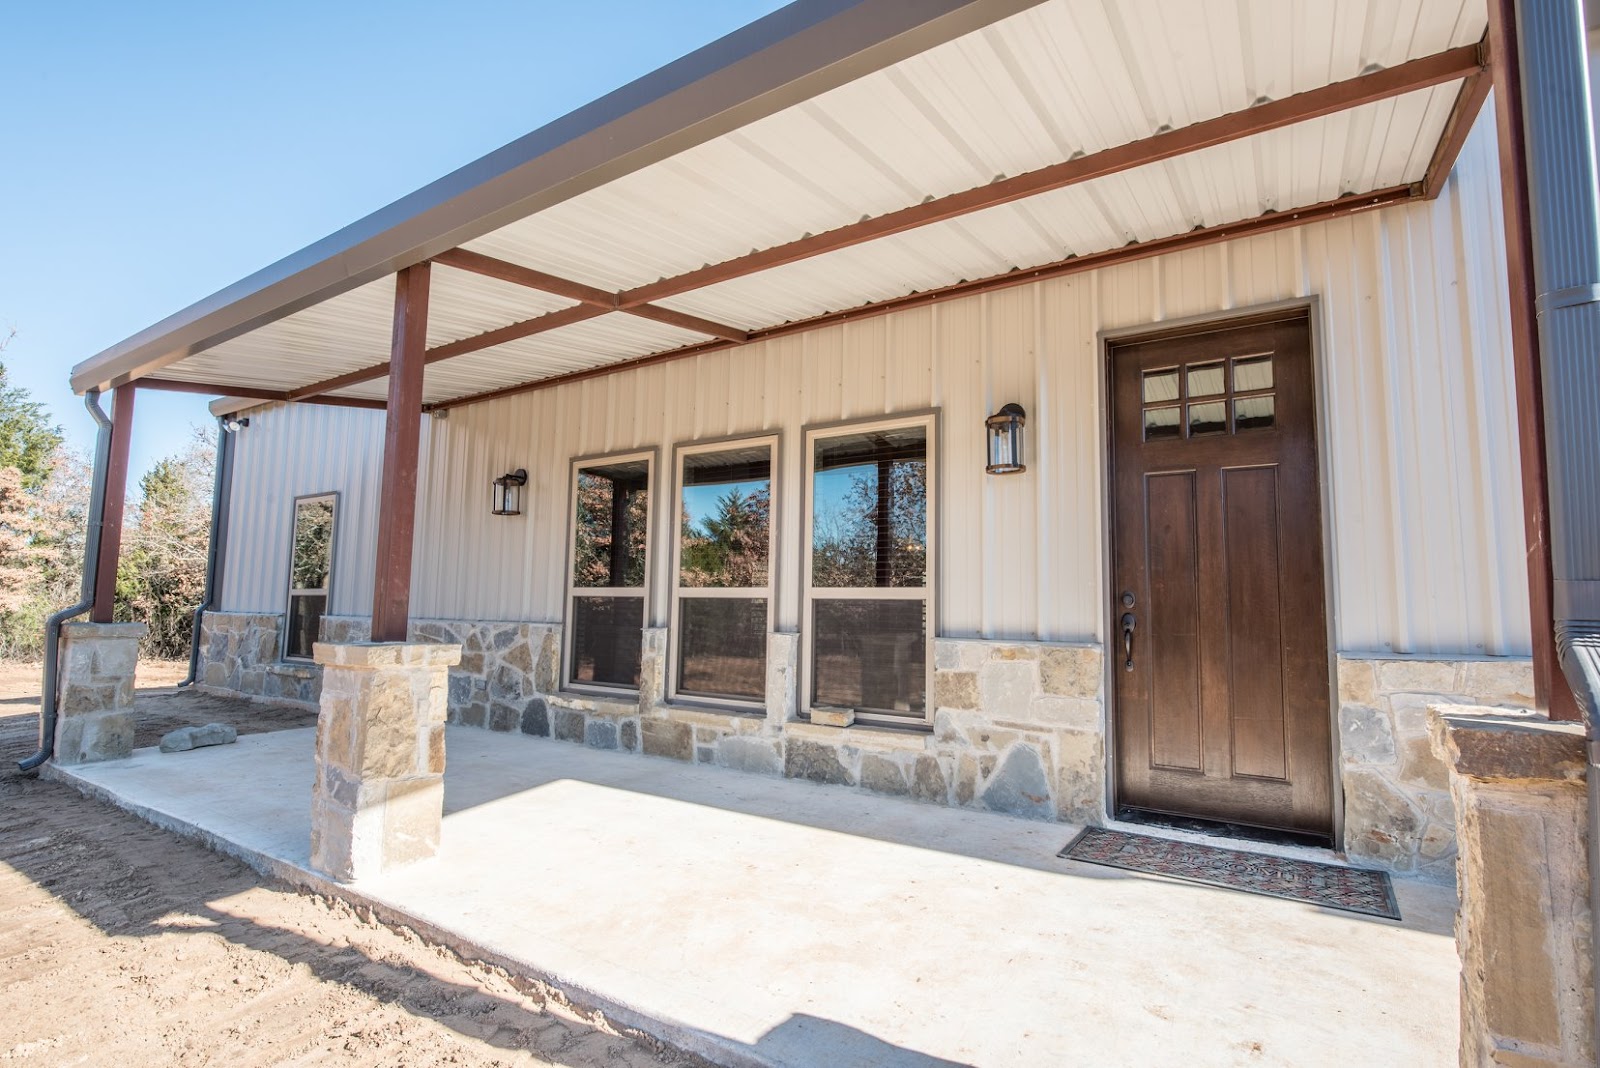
[1253, 413]
[1254, 372]
[869, 655]
[869, 499]
[1208, 418]
[725, 515]
[304, 622]
[722, 647]
[1205, 380]
[1161, 423]
[612, 525]
[606, 637]
[1160, 386]
[313, 544]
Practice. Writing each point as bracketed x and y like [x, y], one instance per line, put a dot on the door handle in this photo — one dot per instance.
[1127, 641]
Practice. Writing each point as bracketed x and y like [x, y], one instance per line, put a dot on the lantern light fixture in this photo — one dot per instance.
[1006, 455]
[507, 498]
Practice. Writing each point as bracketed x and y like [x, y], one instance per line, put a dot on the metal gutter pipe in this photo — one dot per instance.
[91, 569]
[217, 545]
[1562, 196]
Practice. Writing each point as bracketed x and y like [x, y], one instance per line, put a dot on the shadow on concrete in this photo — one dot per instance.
[803, 1039]
[981, 835]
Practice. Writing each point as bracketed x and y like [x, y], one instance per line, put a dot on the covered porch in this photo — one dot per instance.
[771, 922]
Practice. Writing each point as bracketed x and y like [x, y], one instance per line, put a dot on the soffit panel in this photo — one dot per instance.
[1067, 77]
[1374, 147]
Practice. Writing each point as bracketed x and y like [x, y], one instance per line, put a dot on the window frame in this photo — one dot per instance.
[927, 592]
[644, 592]
[291, 591]
[774, 442]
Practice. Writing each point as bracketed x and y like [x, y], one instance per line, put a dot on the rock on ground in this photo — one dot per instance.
[186, 738]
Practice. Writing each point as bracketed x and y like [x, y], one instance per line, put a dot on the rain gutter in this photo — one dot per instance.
[216, 544]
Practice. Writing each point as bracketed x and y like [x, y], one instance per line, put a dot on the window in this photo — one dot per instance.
[722, 596]
[869, 554]
[1208, 393]
[310, 573]
[610, 540]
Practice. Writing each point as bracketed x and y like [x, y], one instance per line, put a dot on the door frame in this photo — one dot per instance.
[1311, 307]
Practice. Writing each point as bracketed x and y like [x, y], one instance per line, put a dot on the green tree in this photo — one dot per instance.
[28, 440]
[162, 573]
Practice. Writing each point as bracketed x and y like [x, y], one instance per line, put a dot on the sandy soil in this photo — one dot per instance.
[123, 945]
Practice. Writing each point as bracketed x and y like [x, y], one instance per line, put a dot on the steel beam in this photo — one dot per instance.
[116, 493]
[397, 497]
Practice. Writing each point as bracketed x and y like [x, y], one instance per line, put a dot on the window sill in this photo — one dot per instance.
[296, 669]
[711, 716]
[595, 704]
[913, 738]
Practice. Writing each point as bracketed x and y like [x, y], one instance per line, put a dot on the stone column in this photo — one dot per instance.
[783, 677]
[379, 794]
[1524, 929]
[95, 691]
[652, 671]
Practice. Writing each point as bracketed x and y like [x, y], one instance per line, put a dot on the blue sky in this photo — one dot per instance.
[154, 153]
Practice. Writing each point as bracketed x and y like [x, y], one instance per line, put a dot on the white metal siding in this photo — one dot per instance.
[1420, 441]
[290, 451]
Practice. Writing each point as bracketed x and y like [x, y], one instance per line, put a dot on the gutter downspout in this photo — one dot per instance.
[1562, 194]
[217, 546]
[91, 570]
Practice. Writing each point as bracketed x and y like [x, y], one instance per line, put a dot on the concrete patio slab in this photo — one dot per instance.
[772, 922]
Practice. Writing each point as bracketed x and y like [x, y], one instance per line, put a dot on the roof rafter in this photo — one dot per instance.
[172, 385]
[1395, 81]
[1260, 224]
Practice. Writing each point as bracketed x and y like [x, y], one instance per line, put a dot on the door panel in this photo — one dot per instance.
[1175, 614]
[1222, 698]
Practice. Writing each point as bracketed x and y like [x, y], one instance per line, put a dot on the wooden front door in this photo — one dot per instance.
[1219, 635]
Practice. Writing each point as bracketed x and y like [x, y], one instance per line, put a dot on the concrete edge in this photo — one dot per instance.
[679, 1036]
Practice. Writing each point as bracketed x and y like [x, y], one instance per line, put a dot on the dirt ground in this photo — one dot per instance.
[124, 945]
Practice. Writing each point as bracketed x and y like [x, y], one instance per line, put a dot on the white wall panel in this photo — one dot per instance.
[289, 451]
[1419, 439]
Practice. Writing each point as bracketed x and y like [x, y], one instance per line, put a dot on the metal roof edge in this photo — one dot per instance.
[791, 55]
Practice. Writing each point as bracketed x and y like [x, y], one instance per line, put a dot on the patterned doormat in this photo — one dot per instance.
[1329, 885]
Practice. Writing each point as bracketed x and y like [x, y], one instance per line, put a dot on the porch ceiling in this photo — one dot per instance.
[1061, 81]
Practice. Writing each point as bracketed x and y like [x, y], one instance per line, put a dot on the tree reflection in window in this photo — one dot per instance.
[725, 519]
[870, 510]
[612, 525]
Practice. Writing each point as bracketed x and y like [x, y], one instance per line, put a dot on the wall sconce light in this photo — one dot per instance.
[507, 499]
[1006, 455]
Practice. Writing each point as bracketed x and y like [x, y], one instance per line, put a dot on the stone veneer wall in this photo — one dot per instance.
[1019, 727]
[1397, 806]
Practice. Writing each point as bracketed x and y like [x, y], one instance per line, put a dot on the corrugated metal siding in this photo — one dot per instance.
[1420, 439]
[289, 451]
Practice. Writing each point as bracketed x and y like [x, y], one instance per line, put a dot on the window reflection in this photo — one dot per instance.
[870, 509]
[725, 518]
[612, 525]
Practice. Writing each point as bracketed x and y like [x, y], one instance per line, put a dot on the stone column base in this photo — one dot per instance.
[95, 692]
[379, 795]
[1524, 930]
